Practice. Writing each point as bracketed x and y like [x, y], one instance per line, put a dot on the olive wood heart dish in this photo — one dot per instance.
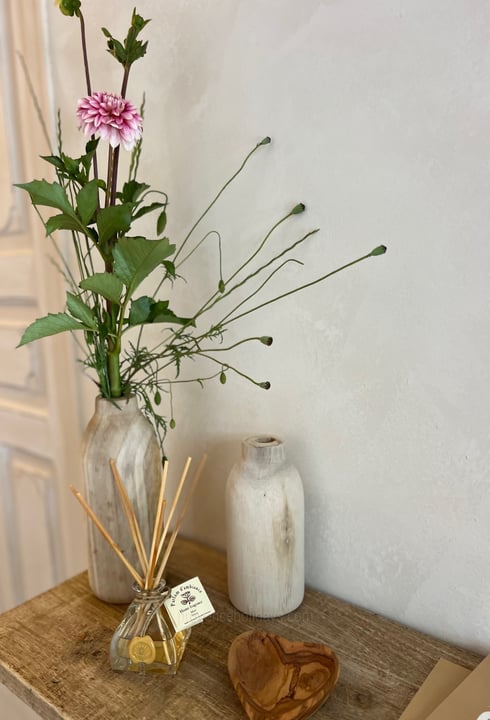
[277, 679]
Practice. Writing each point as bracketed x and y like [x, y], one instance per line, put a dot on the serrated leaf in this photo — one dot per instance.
[48, 194]
[87, 201]
[105, 284]
[161, 313]
[112, 220]
[80, 310]
[135, 258]
[146, 311]
[51, 324]
[63, 222]
[132, 190]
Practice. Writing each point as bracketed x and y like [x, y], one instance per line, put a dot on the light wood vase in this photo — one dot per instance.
[118, 430]
[265, 530]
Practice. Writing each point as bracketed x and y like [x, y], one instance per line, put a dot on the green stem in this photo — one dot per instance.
[302, 287]
[235, 370]
[257, 272]
[115, 167]
[254, 254]
[88, 83]
[110, 174]
[222, 322]
[114, 370]
[266, 141]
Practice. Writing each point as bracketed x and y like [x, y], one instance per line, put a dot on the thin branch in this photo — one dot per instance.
[212, 203]
[301, 287]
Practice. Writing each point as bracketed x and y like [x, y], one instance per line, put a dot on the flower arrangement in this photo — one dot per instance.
[112, 260]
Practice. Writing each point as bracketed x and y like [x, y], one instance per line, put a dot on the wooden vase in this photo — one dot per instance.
[265, 530]
[118, 430]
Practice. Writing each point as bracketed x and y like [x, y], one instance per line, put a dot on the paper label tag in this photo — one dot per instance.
[188, 604]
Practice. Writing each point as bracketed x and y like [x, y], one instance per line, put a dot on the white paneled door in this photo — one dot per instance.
[41, 530]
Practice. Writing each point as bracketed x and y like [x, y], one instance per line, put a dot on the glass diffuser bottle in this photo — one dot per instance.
[145, 641]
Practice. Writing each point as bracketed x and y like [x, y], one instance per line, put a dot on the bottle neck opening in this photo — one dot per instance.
[263, 449]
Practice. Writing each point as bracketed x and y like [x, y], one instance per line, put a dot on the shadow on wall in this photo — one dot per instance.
[206, 516]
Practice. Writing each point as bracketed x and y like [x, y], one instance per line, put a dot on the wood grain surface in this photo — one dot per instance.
[54, 654]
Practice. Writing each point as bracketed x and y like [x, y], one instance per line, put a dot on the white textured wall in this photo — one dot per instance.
[379, 113]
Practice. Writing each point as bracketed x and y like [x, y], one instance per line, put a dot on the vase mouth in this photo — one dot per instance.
[161, 589]
[122, 399]
[116, 404]
[264, 449]
[263, 441]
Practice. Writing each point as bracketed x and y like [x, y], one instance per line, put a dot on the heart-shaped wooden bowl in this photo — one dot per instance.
[277, 679]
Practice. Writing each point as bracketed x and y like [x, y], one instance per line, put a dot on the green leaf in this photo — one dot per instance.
[80, 310]
[112, 220]
[132, 49]
[54, 160]
[140, 310]
[91, 146]
[135, 258]
[71, 164]
[87, 201]
[161, 222]
[132, 190]
[105, 284]
[114, 47]
[48, 194]
[87, 159]
[161, 313]
[137, 22]
[64, 222]
[51, 324]
[146, 311]
[148, 209]
[170, 268]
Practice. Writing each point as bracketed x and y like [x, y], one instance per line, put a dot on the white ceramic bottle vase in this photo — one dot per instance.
[265, 530]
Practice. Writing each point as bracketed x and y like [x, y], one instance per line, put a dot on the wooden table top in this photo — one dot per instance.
[54, 654]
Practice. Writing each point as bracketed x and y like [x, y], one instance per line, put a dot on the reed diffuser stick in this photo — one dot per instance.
[157, 528]
[160, 529]
[174, 505]
[106, 535]
[131, 518]
[173, 537]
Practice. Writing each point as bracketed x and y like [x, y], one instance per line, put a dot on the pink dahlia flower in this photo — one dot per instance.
[110, 117]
